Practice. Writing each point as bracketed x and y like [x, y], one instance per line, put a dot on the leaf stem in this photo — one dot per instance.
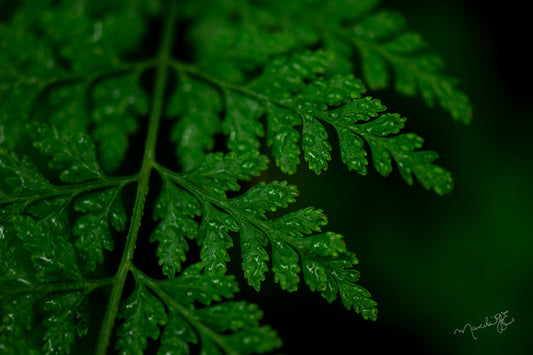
[192, 70]
[73, 190]
[162, 65]
[181, 179]
[186, 312]
[59, 287]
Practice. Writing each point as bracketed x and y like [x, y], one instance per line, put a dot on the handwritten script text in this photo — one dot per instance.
[498, 320]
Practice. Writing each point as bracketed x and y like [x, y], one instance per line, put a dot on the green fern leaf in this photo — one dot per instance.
[93, 230]
[338, 101]
[285, 265]
[52, 255]
[24, 74]
[118, 104]
[72, 153]
[324, 245]
[176, 209]
[17, 315]
[241, 124]
[283, 137]
[220, 326]
[219, 173]
[383, 42]
[215, 239]
[353, 151]
[90, 46]
[192, 285]
[300, 222]
[143, 313]
[68, 319]
[198, 107]
[254, 255]
[20, 174]
[177, 336]
[342, 278]
[13, 346]
[261, 198]
[291, 236]
[243, 318]
[315, 145]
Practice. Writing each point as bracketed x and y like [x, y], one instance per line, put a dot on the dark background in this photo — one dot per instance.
[436, 263]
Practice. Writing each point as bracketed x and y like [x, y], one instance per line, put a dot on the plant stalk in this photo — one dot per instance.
[162, 67]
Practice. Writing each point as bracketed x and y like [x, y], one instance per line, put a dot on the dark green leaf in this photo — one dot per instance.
[20, 175]
[17, 314]
[220, 173]
[102, 210]
[315, 145]
[254, 255]
[52, 255]
[192, 285]
[68, 318]
[214, 239]
[177, 336]
[283, 138]
[118, 101]
[285, 265]
[241, 124]
[262, 198]
[176, 209]
[342, 278]
[198, 106]
[383, 42]
[74, 154]
[231, 316]
[143, 313]
[353, 151]
[297, 223]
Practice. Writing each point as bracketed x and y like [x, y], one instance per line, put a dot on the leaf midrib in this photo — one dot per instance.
[148, 163]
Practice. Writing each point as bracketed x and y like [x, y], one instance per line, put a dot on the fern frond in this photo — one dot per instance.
[198, 106]
[143, 313]
[68, 318]
[102, 210]
[383, 42]
[229, 85]
[296, 91]
[220, 326]
[294, 237]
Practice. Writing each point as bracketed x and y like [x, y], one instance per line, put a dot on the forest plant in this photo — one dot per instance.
[89, 106]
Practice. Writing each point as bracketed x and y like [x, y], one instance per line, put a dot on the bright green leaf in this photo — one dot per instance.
[315, 145]
[285, 265]
[254, 255]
